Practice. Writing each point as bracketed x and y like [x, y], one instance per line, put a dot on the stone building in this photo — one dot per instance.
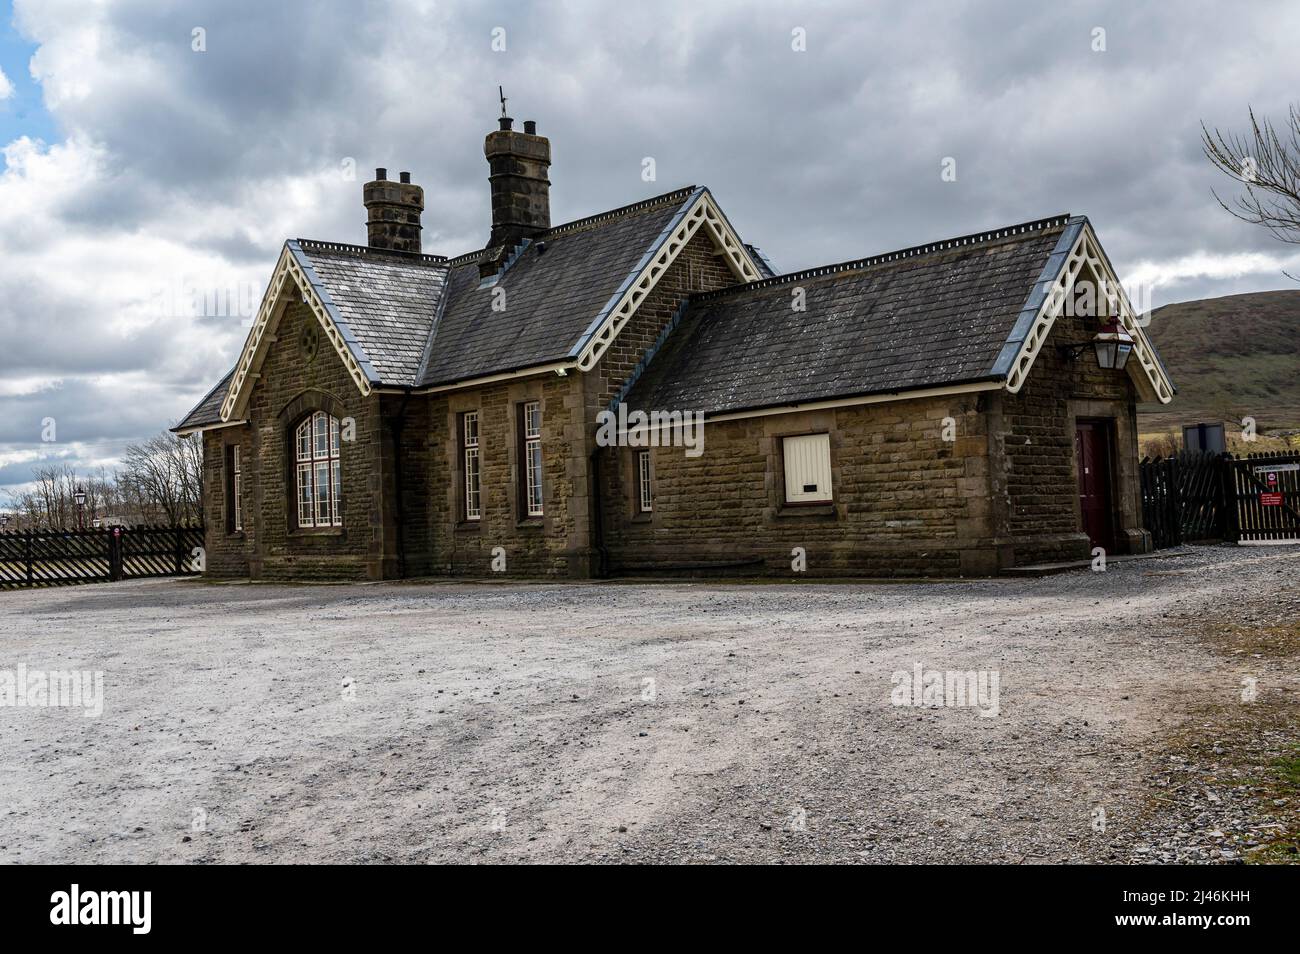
[639, 392]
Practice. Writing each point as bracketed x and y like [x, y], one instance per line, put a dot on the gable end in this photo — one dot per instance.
[295, 267]
[700, 211]
[1077, 247]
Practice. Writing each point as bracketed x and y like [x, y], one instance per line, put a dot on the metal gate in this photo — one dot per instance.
[1184, 499]
[61, 557]
[1265, 490]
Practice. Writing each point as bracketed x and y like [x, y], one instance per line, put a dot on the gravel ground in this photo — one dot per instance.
[642, 721]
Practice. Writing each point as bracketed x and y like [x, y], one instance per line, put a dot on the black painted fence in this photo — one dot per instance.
[1199, 495]
[62, 557]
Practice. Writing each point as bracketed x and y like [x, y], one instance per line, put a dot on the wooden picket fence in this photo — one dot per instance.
[1199, 495]
[1266, 492]
[62, 557]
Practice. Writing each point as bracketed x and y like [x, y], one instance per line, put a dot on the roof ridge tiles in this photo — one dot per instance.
[368, 251]
[915, 251]
[667, 198]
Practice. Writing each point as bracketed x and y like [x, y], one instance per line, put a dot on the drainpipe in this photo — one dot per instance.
[395, 426]
[598, 524]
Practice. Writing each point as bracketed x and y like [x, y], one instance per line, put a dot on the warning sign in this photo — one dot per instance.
[1270, 500]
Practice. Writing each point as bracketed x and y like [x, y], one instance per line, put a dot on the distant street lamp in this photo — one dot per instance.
[79, 496]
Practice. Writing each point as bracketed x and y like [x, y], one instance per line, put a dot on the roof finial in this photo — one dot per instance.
[505, 122]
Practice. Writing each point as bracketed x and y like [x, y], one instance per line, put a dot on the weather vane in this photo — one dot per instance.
[502, 94]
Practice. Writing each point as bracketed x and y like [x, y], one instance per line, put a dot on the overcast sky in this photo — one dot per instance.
[138, 168]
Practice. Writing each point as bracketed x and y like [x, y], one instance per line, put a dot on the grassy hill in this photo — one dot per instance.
[1230, 357]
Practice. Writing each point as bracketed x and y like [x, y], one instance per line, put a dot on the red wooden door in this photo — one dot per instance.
[1092, 456]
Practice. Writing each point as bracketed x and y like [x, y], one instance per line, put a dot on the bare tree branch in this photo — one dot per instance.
[160, 482]
[1266, 164]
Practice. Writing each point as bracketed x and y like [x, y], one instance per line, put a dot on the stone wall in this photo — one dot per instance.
[907, 502]
[290, 386]
[225, 552]
[699, 267]
[545, 546]
[560, 543]
[1036, 484]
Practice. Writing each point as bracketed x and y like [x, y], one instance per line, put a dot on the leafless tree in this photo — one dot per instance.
[164, 475]
[160, 482]
[1266, 163]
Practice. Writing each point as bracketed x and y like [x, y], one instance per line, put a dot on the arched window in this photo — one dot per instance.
[319, 475]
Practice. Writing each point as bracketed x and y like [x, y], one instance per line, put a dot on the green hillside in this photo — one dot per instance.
[1230, 357]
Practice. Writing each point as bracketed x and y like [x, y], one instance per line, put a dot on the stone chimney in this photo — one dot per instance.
[521, 199]
[393, 212]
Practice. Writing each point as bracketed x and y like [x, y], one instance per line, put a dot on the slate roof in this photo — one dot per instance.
[387, 300]
[552, 297]
[934, 315]
[951, 312]
[208, 411]
[765, 267]
[423, 320]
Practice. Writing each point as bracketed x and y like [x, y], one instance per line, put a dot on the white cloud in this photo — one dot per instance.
[1211, 265]
[184, 171]
[6, 87]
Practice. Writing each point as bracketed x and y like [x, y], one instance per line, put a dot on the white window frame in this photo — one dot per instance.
[471, 462]
[236, 489]
[807, 462]
[318, 471]
[531, 423]
[645, 495]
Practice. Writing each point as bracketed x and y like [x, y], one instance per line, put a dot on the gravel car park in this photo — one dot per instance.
[650, 721]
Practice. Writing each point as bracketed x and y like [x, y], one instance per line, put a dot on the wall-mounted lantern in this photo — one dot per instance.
[1112, 344]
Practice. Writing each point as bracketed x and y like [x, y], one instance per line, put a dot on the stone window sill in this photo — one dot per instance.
[787, 511]
[469, 526]
[529, 523]
[315, 532]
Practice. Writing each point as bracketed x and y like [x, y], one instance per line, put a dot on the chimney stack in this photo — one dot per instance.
[393, 212]
[521, 201]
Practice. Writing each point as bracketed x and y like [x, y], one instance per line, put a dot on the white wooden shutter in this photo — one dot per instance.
[807, 468]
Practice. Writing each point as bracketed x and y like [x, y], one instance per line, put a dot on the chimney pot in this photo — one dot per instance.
[393, 212]
[506, 123]
[519, 165]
